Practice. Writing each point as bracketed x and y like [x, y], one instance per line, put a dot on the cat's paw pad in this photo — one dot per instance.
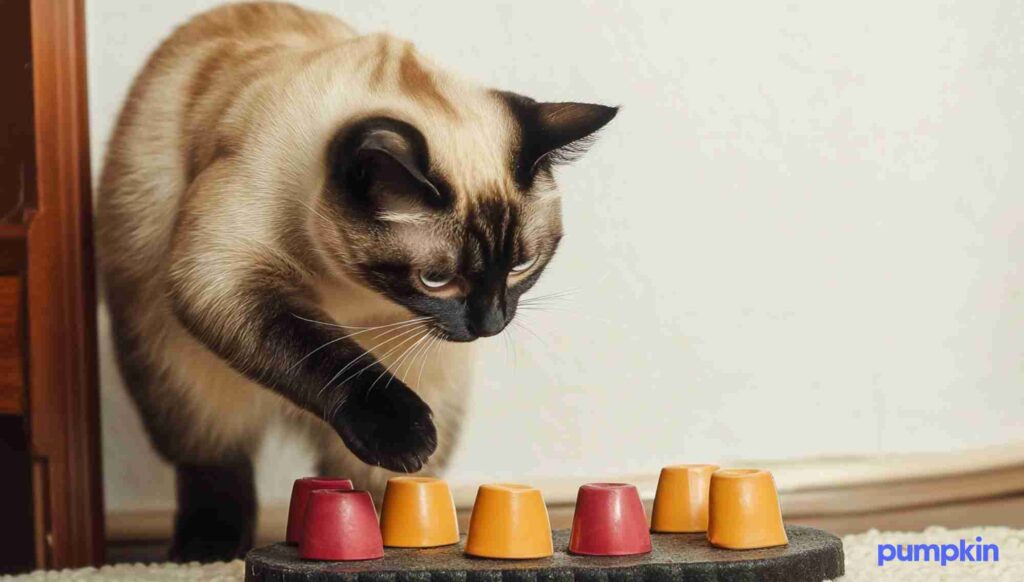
[388, 426]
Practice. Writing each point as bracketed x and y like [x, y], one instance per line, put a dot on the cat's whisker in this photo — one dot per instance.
[523, 326]
[410, 362]
[504, 345]
[403, 334]
[533, 311]
[388, 328]
[440, 345]
[368, 350]
[387, 367]
[404, 359]
[511, 350]
[426, 356]
[322, 346]
[546, 305]
[549, 297]
[553, 295]
[362, 328]
[408, 356]
[324, 388]
[420, 355]
[379, 339]
[546, 353]
[380, 358]
[552, 306]
[395, 333]
[561, 295]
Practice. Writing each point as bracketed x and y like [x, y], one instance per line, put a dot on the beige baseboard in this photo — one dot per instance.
[842, 495]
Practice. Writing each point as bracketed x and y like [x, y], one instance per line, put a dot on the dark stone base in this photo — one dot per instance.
[811, 556]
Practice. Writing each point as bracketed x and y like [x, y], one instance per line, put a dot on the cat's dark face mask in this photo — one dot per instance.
[484, 309]
[479, 300]
[460, 260]
[473, 289]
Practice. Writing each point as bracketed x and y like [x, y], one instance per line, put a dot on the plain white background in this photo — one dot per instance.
[801, 237]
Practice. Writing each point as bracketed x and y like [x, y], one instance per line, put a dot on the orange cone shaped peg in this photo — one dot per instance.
[681, 502]
[418, 512]
[744, 510]
[509, 521]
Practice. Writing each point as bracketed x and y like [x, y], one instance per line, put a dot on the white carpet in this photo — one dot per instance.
[861, 562]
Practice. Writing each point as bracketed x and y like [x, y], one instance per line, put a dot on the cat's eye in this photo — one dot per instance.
[434, 280]
[524, 266]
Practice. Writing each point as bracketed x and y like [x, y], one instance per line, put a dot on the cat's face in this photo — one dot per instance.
[461, 255]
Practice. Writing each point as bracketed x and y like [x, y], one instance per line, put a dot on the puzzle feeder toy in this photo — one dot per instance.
[707, 522]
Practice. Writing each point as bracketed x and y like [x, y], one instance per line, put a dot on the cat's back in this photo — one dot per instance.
[171, 117]
[260, 21]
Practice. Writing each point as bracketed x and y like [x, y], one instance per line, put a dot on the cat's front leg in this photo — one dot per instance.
[270, 333]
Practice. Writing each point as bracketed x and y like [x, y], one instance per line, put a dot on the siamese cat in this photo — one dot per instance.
[299, 222]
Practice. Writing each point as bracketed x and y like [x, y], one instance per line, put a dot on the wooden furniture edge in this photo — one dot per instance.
[63, 397]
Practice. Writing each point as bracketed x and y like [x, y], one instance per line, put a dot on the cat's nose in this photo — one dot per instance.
[490, 322]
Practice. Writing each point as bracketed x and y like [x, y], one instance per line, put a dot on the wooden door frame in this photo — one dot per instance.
[63, 400]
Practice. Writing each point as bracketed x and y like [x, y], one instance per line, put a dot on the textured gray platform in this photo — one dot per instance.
[811, 556]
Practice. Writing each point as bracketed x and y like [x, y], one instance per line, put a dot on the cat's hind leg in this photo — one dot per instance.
[207, 421]
[216, 513]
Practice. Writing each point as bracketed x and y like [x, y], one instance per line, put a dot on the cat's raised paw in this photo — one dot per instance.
[388, 426]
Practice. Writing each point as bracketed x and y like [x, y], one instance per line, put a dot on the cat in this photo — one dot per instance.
[291, 216]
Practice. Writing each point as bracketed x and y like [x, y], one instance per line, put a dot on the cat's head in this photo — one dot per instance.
[452, 218]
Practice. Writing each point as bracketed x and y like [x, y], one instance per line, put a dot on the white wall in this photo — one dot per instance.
[802, 236]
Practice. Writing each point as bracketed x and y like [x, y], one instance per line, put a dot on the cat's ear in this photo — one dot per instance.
[383, 164]
[552, 133]
[567, 129]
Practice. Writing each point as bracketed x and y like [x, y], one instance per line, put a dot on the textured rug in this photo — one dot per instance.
[862, 557]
